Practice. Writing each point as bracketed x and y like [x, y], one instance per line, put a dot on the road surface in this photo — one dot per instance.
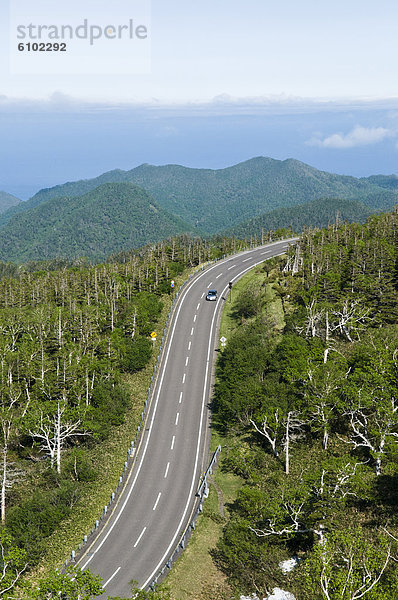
[157, 501]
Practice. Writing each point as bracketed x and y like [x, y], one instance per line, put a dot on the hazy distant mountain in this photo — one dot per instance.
[7, 201]
[389, 182]
[106, 220]
[213, 200]
[317, 213]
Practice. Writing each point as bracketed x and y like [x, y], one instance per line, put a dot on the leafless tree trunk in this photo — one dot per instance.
[270, 433]
[53, 431]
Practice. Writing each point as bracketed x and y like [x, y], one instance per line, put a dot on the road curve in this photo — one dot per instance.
[156, 503]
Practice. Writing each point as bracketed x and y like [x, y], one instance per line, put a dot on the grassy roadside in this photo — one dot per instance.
[195, 570]
[195, 575]
[108, 458]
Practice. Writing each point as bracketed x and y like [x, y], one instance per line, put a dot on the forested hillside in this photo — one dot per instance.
[390, 182]
[311, 418]
[113, 217]
[71, 338]
[211, 201]
[7, 201]
[317, 213]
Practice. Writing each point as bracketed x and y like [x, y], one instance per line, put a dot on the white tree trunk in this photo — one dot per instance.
[58, 439]
[4, 485]
[287, 465]
[325, 439]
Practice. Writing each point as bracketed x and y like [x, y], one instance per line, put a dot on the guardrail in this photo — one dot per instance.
[202, 493]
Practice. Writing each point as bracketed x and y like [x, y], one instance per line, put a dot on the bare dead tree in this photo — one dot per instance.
[351, 319]
[55, 430]
[293, 427]
[270, 429]
[10, 410]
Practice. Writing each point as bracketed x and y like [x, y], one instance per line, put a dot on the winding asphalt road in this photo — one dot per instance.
[157, 501]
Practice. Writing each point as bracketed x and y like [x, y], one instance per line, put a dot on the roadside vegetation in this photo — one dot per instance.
[314, 418]
[76, 360]
[305, 407]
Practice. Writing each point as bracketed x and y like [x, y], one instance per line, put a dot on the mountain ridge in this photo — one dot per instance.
[316, 213]
[211, 200]
[106, 220]
[7, 201]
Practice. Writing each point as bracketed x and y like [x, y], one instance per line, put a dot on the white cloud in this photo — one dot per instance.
[359, 136]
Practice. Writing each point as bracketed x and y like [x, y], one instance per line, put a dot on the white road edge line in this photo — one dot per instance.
[110, 578]
[139, 537]
[157, 500]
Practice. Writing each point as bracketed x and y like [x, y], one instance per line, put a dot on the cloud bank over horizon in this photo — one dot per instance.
[359, 136]
[224, 103]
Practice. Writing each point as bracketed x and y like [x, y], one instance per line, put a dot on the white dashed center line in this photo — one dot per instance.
[139, 537]
[192, 330]
[183, 378]
[157, 500]
[173, 442]
[194, 319]
[189, 345]
[177, 417]
[111, 577]
[186, 361]
[218, 275]
[197, 308]
[180, 400]
[229, 268]
[246, 259]
[167, 470]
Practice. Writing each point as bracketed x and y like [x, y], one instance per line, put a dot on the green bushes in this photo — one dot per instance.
[136, 354]
[109, 403]
[314, 418]
[34, 519]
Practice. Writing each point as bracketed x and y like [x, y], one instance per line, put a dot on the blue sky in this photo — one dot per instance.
[256, 48]
[311, 80]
